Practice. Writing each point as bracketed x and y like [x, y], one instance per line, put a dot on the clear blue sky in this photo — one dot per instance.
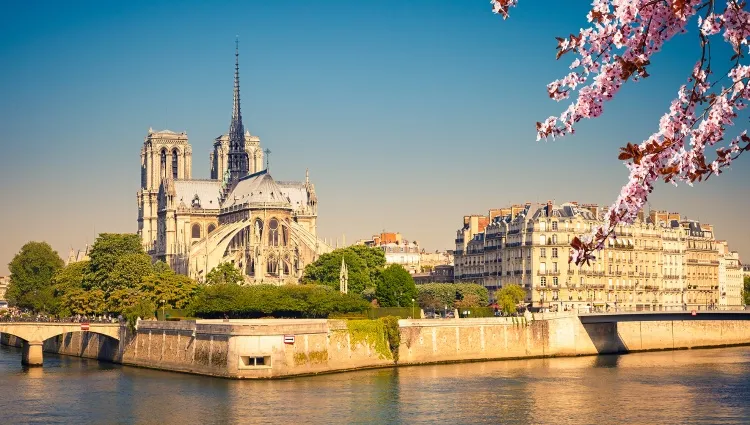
[409, 114]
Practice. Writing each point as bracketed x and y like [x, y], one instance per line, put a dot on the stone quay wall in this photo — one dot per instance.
[557, 335]
[282, 348]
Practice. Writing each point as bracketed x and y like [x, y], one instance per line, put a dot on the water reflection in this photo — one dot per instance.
[700, 386]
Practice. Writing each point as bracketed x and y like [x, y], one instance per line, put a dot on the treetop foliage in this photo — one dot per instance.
[31, 272]
[438, 295]
[364, 265]
[255, 301]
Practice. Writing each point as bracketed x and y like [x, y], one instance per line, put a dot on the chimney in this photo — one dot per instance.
[549, 208]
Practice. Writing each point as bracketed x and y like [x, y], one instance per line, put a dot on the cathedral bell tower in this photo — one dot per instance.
[165, 155]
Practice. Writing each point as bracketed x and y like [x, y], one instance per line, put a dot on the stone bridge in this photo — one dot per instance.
[35, 333]
[663, 316]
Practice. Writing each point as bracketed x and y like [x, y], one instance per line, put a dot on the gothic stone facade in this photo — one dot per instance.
[240, 215]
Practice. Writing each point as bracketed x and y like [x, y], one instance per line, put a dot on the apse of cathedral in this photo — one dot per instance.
[241, 215]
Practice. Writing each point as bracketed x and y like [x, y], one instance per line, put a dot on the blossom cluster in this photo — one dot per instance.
[618, 46]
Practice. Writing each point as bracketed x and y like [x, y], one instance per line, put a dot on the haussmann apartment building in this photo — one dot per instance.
[661, 262]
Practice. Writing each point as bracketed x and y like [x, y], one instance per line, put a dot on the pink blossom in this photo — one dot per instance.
[618, 47]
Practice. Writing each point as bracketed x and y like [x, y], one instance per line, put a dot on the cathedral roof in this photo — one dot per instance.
[296, 192]
[258, 189]
[205, 192]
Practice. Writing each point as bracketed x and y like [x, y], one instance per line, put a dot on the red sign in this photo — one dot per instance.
[694, 313]
[84, 326]
[288, 339]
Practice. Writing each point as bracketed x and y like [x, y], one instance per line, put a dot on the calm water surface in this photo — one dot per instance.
[682, 387]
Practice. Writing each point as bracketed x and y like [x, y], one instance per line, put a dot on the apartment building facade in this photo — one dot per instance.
[659, 263]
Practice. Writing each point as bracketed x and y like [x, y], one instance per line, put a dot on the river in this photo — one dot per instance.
[686, 387]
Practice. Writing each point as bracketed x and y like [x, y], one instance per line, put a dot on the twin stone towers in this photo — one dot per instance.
[241, 215]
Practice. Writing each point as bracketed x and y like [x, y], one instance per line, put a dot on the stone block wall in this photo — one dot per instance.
[278, 348]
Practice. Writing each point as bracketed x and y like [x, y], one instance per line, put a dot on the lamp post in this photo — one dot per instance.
[412, 308]
[163, 317]
[445, 314]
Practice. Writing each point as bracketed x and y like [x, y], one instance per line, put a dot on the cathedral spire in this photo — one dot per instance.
[238, 160]
[236, 112]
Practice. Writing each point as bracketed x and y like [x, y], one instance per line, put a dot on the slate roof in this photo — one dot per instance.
[257, 189]
[208, 192]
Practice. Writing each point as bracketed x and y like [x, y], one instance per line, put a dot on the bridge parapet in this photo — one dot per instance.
[35, 333]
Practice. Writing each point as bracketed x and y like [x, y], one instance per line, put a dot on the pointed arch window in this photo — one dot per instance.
[273, 266]
[175, 163]
[258, 231]
[196, 231]
[273, 232]
[163, 163]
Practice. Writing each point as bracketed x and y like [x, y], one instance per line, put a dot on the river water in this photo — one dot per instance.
[680, 387]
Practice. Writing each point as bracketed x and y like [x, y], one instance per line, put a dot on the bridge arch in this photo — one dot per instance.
[34, 334]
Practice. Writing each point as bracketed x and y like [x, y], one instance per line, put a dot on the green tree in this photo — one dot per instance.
[143, 309]
[468, 301]
[396, 287]
[363, 263]
[447, 294]
[130, 270]
[85, 302]
[122, 299]
[270, 300]
[70, 277]
[174, 289]
[508, 298]
[67, 280]
[105, 256]
[224, 273]
[374, 259]
[161, 266]
[746, 290]
[429, 301]
[31, 272]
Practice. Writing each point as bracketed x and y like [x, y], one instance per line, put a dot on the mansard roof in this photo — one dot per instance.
[566, 210]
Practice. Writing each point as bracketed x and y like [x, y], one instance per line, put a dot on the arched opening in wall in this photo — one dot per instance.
[196, 231]
[211, 228]
[163, 168]
[287, 269]
[175, 162]
[272, 267]
[258, 231]
[273, 232]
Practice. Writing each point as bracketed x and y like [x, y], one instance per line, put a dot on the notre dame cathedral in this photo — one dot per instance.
[266, 228]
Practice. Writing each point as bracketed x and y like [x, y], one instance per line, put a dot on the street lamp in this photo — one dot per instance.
[163, 317]
[412, 308]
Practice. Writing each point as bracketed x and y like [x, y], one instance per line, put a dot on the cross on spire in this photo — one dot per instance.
[268, 157]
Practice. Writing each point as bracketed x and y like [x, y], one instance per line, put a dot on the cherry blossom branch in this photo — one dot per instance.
[617, 48]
